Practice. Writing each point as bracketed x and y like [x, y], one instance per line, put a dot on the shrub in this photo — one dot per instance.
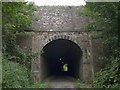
[108, 77]
[14, 75]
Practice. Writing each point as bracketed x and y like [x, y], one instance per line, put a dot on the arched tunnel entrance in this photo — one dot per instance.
[62, 57]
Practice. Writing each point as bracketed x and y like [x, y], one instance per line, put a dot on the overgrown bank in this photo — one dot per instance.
[105, 16]
[16, 17]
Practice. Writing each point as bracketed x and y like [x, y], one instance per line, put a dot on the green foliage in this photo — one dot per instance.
[104, 17]
[78, 82]
[39, 85]
[25, 34]
[108, 77]
[14, 75]
[22, 57]
[16, 17]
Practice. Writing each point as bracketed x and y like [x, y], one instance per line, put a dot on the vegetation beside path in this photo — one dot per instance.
[17, 63]
[105, 16]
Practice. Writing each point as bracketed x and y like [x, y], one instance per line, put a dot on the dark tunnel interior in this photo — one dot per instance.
[62, 58]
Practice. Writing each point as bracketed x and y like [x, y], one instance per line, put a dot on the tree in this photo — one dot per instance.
[105, 18]
[16, 16]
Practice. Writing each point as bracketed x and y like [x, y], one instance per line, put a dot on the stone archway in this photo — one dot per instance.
[61, 36]
[38, 65]
[59, 52]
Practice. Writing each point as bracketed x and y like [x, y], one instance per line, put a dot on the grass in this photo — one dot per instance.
[39, 85]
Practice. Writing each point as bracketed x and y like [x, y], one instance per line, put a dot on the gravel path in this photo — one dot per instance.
[64, 82]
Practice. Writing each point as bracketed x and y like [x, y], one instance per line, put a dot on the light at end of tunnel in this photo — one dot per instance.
[65, 67]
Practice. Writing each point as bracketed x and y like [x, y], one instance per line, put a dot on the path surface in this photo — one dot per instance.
[63, 82]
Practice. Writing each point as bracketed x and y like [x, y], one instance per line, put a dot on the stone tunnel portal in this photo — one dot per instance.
[62, 57]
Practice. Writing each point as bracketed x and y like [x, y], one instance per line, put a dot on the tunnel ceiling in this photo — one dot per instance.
[60, 52]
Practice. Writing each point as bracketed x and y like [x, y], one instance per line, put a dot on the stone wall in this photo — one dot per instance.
[98, 53]
[24, 40]
[92, 49]
[59, 18]
[40, 39]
